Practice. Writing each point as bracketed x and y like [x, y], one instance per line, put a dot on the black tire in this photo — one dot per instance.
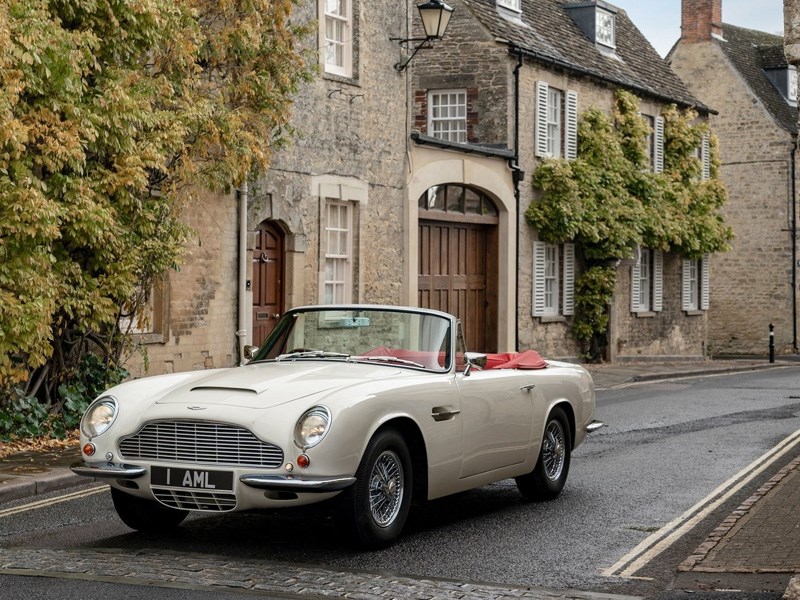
[376, 506]
[145, 515]
[549, 475]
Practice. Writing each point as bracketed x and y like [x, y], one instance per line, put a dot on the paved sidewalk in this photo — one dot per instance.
[761, 537]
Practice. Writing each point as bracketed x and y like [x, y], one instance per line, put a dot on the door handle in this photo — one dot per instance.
[528, 388]
[444, 413]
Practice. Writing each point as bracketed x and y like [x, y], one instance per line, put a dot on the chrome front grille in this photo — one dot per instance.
[195, 500]
[200, 442]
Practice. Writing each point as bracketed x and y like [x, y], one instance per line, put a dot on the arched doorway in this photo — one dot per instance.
[458, 254]
[268, 256]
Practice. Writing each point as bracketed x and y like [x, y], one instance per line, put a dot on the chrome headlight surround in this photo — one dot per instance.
[312, 427]
[99, 417]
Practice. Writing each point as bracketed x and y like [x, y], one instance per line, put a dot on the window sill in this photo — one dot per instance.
[553, 319]
[149, 338]
[647, 314]
[695, 313]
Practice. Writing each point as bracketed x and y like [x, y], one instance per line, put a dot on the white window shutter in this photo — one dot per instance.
[705, 156]
[658, 281]
[538, 278]
[569, 280]
[635, 285]
[658, 145]
[571, 126]
[542, 90]
[705, 284]
[686, 296]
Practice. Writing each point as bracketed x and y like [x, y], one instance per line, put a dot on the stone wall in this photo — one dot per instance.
[351, 134]
[751, 285]
[351, 141]
[199, 313]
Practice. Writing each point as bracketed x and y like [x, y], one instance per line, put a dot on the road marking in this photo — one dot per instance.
[49, 502]
[662, 539]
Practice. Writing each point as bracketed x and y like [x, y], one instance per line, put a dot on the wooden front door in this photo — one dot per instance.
[457, 275]
[458, 260]
[267, 280]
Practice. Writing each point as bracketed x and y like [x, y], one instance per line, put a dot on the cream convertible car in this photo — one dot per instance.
[376, 405]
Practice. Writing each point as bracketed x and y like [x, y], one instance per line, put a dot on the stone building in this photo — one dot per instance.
[323, 225]
[408, 185]
[745, 76]
[502, 91]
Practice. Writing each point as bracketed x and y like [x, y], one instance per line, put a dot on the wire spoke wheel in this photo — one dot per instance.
[549, 475]
[386, 488]
[553, 450]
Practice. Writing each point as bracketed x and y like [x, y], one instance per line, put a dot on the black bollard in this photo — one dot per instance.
[771, 343]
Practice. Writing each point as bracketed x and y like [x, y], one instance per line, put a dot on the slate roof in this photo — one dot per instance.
[750, 52]
[547, 33]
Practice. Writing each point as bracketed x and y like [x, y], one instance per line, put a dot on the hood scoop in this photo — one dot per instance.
[221, 388]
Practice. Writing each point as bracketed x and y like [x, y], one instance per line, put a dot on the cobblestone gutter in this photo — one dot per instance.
[289, 581]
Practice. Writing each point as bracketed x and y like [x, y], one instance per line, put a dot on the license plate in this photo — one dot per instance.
[196, 479]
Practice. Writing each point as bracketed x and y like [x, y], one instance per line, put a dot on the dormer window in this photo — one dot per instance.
[785, 80]
[515, 5]
[598, 20]
[605, 30]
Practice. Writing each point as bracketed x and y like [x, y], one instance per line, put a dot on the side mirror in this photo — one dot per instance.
[473, 359]
[250, 352]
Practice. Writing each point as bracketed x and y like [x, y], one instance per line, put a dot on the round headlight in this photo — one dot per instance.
[99, 416]
[312, 427]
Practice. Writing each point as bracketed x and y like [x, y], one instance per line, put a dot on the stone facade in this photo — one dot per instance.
[489, 82]
[195, 325]
[752, 285]
[350, 146]
[353, 147]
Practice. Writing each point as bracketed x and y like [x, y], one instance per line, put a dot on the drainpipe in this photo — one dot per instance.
[793, 200]
[517, 176]
[242, 313]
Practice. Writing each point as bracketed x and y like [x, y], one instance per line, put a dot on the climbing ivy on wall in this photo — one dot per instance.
[608, 201]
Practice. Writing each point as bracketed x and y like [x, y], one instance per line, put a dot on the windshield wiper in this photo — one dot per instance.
[390, 359]
[311, 354]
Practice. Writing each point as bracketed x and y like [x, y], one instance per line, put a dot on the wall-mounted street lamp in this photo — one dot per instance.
[435, 16]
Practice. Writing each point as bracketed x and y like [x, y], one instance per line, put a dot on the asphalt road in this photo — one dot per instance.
[666, 447]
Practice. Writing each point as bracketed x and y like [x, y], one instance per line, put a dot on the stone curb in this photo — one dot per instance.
[54, 480]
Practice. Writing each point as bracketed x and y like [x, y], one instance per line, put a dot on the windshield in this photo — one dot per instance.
[416, 340]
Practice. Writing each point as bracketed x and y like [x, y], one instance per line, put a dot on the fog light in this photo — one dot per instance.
[89, 449]
[289, 467]
[303, 461]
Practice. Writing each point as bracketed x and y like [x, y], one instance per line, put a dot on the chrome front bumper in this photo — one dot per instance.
[277, 483]
[108, 470]
[291, 483]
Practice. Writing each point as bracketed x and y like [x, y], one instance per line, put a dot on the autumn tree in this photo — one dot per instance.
[112, 114]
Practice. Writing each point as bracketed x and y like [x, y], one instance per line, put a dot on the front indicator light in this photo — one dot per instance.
[89, 449]
[303, 461]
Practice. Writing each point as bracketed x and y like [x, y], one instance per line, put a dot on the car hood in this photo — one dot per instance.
[264, 385]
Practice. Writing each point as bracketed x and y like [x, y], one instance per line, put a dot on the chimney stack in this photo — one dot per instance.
[701, 20]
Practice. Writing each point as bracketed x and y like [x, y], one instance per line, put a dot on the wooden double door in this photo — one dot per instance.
[458, 274]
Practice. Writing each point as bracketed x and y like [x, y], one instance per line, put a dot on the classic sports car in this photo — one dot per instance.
[376, 405]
